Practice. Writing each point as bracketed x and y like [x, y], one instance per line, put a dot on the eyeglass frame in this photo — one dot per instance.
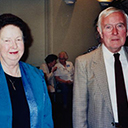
[110, 27]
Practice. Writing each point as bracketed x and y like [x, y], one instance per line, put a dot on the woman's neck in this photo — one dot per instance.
[12, 70]
[64, 64]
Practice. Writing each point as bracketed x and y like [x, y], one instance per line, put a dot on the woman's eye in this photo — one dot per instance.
[7, 41]
[19, 39]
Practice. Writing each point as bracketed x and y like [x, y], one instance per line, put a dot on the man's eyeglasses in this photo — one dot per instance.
[119, 27]
[62, 59]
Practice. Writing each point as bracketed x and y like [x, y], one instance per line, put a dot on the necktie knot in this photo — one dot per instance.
[116, 55]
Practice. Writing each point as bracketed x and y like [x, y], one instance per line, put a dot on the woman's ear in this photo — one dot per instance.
[101, 35]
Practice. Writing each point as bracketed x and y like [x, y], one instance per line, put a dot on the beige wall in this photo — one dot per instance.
[32, 12]
[73, 29]
[56, 26]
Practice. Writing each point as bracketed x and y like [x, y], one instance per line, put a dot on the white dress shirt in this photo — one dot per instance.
[109, 64]
[65, 73]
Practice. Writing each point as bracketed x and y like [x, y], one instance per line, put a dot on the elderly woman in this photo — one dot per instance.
[24, 101]
[64, 76]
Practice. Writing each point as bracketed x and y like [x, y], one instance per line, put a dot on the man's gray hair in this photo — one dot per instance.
[107, 12]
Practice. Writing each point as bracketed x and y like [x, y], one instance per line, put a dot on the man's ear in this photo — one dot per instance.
[99, 32]
[127, 33]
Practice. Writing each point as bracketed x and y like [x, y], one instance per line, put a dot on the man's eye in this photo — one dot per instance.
[120, 26]
[108, 27]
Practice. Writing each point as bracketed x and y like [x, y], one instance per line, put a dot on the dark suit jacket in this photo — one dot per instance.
[91, 99]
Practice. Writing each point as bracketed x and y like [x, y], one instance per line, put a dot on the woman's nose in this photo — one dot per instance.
[14, 44]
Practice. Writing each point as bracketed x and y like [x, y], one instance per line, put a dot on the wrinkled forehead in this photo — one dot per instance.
[114, 18]
[62, 55]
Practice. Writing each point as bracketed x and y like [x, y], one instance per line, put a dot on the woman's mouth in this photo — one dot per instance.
[13, 52]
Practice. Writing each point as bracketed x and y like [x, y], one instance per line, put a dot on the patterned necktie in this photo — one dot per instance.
[122, 104]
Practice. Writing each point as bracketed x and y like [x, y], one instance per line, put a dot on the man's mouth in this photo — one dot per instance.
[114, 39]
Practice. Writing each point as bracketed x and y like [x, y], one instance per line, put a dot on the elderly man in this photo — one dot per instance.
[96, 97]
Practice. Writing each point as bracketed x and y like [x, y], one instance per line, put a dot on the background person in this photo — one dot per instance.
[64, 76]
[49, 69]
[94, 90]
[23, 93]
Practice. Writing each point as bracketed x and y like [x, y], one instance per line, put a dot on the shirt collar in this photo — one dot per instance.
[107, 54]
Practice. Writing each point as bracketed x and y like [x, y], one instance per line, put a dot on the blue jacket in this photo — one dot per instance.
[36, 95]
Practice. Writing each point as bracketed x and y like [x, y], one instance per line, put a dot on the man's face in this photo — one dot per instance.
[62, 59]
[114, 31]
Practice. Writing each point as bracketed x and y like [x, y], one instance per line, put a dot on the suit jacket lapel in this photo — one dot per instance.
[126, 52]
[101, 77]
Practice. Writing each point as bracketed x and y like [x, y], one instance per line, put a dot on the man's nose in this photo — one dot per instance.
[114, 31]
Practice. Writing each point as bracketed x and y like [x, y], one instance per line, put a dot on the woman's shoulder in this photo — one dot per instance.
[29, 67]
[43, 66]
[69, 63]
[26, 64]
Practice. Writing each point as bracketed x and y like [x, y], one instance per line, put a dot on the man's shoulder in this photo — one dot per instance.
[126, 48]
[89, 56]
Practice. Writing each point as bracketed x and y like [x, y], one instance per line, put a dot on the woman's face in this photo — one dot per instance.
[62, 59]
[11, 44]
[52, 64]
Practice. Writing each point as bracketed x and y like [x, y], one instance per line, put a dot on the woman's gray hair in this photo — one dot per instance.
[107, 12]
[65, 55]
